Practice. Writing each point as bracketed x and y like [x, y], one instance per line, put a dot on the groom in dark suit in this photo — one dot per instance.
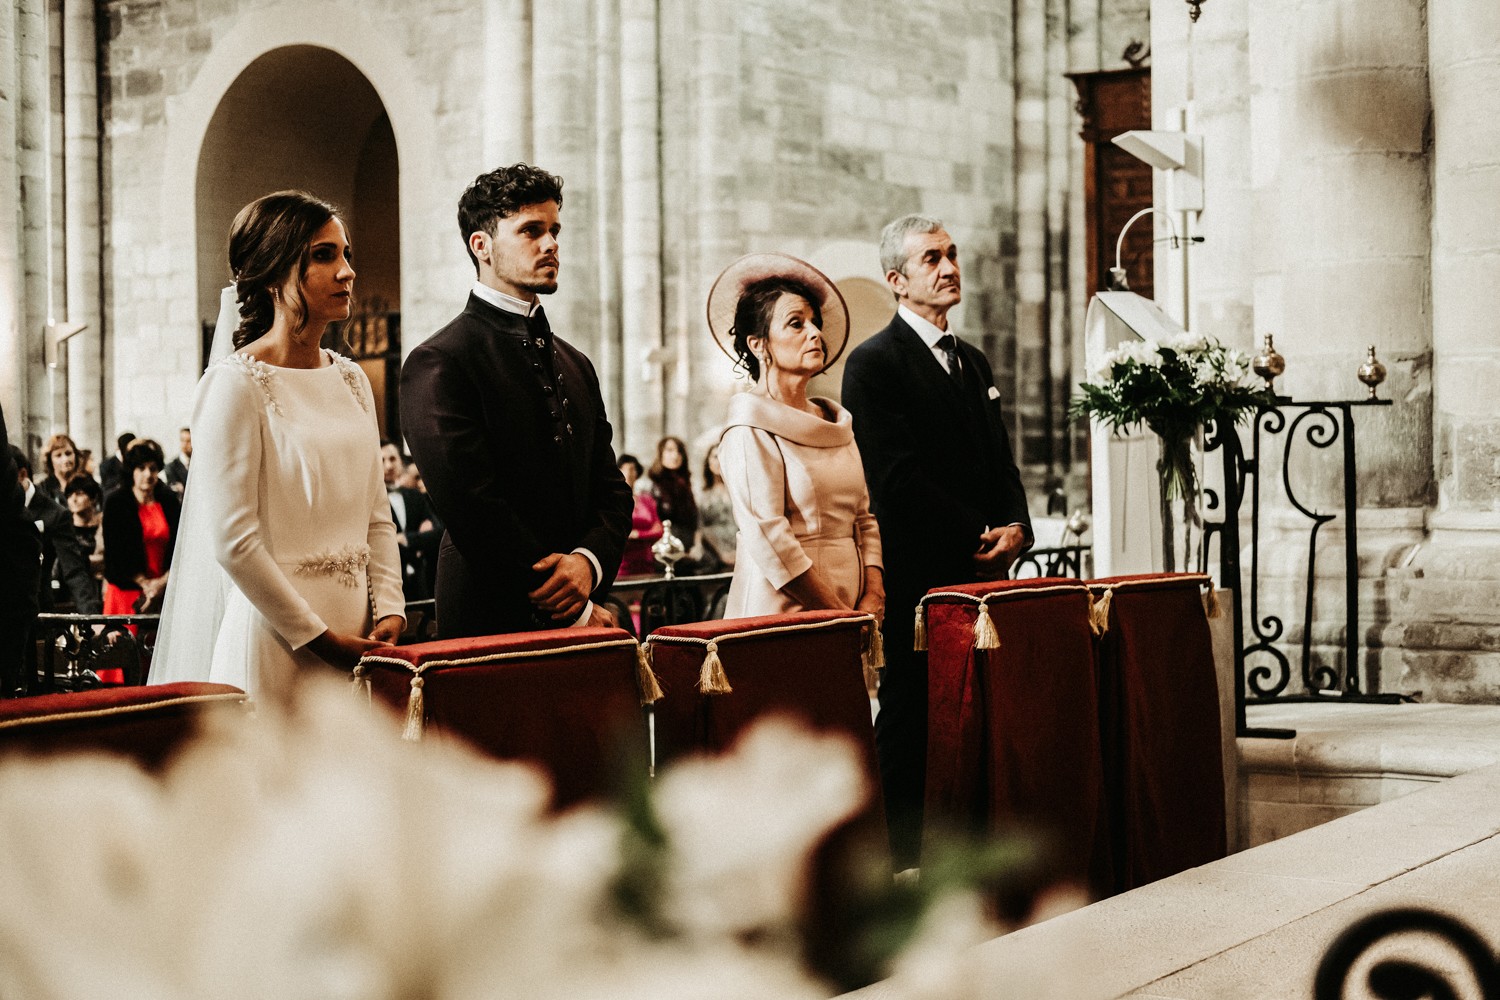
[507, 423]
[943, 486]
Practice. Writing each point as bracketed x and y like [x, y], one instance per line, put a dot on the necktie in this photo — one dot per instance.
[949, 347]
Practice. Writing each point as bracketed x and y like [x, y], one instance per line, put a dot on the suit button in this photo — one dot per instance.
[548, 390]
[540, 342]
[570, 428]
[557, 439]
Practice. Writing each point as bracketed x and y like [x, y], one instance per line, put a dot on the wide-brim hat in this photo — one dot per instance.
[724, 298]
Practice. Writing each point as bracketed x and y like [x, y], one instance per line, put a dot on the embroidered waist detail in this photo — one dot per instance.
[344, 564]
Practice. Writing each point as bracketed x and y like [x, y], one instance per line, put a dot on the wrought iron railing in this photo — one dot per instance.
[1263, 671]
[71, 650]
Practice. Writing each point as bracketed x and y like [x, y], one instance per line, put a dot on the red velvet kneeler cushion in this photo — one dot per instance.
[1013, 717]
[1164, 750]
[146, 723]
[566, 700]
[807, 664]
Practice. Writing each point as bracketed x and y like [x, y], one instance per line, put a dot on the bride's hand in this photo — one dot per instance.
[341, 649]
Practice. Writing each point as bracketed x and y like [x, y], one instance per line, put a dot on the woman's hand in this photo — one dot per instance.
[872, 597]
[388, 629]
[343, 649]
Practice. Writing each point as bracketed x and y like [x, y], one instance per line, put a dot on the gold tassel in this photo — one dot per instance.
[712, 679]
[416, 709]
[645, 677]
[1099, 612]
[1211, 602]
[919, 630]
[874, 657]
[360, 682]
[985, 636]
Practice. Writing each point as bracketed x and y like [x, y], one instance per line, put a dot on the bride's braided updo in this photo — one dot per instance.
[268, 243]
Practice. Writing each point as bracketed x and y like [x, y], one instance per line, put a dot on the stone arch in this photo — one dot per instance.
[341, 30]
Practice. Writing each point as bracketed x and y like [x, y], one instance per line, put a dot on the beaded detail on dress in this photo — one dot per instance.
[260, 373]
[350, 371]
[345, 564]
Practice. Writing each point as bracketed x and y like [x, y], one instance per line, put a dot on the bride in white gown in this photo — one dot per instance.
[286, 532]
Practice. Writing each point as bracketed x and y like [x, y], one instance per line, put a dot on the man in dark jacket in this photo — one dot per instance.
[20, 571]
[943, 485]
[507, 423]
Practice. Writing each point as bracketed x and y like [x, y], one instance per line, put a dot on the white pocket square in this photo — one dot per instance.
[994, 393]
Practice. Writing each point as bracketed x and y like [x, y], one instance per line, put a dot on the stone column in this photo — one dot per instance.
[507, 97]
[607, 207]
[1027, 399]
[1444, 619]
[1355, 192]
[33, 133]
[13, 369]
[82, 226]
[642, 389]
[1342, 243]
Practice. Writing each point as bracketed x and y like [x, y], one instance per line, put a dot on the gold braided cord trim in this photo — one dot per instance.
[104, 713]
[1199, 578]
[491, 657]
[768, 630]
[1000, 595]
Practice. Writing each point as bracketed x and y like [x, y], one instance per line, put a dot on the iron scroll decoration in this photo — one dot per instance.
[1406, 978]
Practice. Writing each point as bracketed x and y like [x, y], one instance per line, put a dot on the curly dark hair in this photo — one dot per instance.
[142, 452]
[500, 193]
[268, 241]
[752, 315]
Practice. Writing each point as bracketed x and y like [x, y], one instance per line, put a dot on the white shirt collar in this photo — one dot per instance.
[924, 329]
[30, 492]
[503, 302]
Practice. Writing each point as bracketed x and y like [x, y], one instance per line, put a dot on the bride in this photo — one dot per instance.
[287, 551]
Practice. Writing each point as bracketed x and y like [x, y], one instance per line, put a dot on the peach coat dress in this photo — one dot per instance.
[800, 500]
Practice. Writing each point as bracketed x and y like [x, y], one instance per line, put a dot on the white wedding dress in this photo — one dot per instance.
[286, 521]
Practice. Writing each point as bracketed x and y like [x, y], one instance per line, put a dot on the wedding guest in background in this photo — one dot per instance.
[62, 462]
[176, 472]
[645, 525]
[289, 560]
[671, 486]
[86, 504]
[807, 538]
[416, 532]
[112, 471]
[716, 529]
[20, 569]
[63, 556]
[140, 531]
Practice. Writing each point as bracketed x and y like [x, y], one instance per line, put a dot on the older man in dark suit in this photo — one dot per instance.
[943, 485]
[507, 423]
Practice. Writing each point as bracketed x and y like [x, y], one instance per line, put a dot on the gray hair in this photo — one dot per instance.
[893, 240]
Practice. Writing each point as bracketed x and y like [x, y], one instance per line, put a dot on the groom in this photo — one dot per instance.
[943, 486]
[507, 423]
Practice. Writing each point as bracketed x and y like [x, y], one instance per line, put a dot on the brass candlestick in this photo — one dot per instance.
[1268, 364]
[1372, 372]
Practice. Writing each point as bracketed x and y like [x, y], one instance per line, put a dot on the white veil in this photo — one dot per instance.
[196, 590]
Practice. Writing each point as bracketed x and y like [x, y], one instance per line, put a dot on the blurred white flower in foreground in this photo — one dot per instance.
[316, 856]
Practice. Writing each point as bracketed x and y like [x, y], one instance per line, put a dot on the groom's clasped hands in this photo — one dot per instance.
[569, 582]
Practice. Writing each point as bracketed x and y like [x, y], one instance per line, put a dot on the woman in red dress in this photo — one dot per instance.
[140, 527]
[645, 525]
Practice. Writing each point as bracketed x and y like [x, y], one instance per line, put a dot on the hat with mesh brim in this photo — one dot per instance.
[724, 297]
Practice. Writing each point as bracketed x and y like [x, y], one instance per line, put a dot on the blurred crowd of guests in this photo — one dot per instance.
[106, 530]
[701, 517]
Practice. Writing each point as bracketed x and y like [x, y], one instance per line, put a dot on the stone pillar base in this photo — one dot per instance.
[1442, 639]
